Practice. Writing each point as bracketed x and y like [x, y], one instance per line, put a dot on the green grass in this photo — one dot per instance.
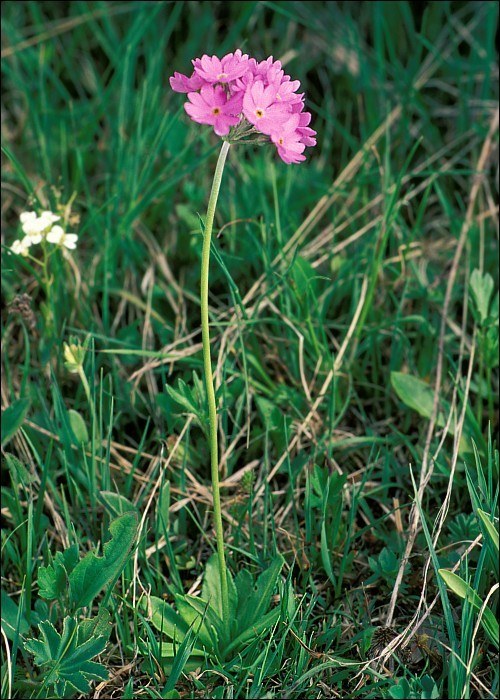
[354, 347]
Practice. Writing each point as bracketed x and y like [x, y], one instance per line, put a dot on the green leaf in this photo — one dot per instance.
[262, 625]
[78, 427]
[184, 652]
[168, 654]
[94, 572]
[99, 626]
[12, 620]
[304, 278]
[492, 532]
[417, 395]
[165, 618]
[19, 472]
[207, 623]
[66, 657]
[253, 603]
[184, 396]
[211, 588]
[401, 690]
[53, 579]
[163, 505]
[325, 554]
[466, 592]
[271, 415]
[13, 418]
[481, 287]
[116, 504]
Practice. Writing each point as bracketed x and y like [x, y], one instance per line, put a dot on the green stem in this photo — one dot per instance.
[212, 408]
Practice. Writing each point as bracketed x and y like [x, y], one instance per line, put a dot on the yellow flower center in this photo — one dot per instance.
[216, 111]
[259, 113]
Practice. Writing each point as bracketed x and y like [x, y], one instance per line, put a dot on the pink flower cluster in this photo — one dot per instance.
[240, 97]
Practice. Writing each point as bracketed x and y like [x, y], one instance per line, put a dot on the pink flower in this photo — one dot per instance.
[269, 70]
[306, 134]
[181, 83]
[216, 70]
[261, 109]
[285, 91]
[212, 106]
[237, 91]
[287, 140]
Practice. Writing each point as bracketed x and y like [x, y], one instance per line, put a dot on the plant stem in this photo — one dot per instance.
[209, 382]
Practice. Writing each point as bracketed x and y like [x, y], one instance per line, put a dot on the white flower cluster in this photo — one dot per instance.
[37, 228]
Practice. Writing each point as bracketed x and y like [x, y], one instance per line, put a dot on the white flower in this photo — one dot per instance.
[56, 235]
[34, 236]
[21, 247]
[49, 217]
[34, 226]
[27, 216]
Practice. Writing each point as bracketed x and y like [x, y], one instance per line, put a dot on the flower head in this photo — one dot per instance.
[35, 226]
[242, 98]
[74, 354]
[59, 237]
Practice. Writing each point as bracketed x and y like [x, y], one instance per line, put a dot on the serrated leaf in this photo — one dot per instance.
[68, 662]
[13, 418]
[47, 583]
[95, 572]
[53, 579]
[95, 627]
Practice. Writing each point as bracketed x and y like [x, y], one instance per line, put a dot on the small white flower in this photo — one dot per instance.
[56, 235]
[34, 226]
[21, 247]
[27, 216]
[49, 217]
[33, 236]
